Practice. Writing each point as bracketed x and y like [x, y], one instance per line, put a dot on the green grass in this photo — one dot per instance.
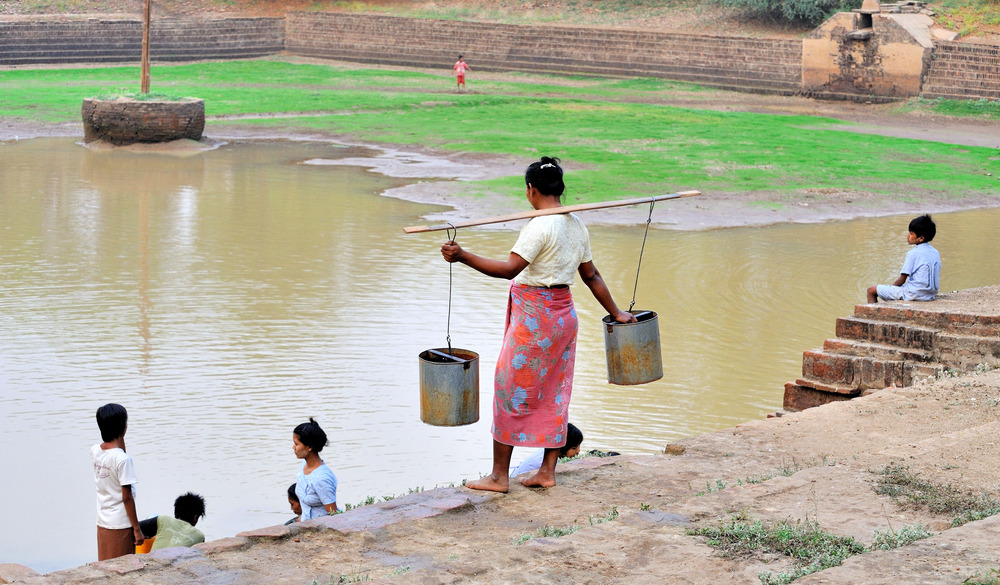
[620, 148]
[810, 548]
[909, 490]
[965, 108]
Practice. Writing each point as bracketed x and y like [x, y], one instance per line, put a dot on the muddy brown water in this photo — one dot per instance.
[226, 296]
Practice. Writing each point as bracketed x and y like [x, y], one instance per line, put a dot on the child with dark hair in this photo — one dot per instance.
[574, 437]
[118, 530]
[316, 485]
[178, 530]
[918, 280]
[294, 504]
[459, 68]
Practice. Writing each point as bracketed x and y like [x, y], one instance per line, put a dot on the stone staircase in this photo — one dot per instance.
[963, 71]
[898, 344]
[771, 66]
[108, 39]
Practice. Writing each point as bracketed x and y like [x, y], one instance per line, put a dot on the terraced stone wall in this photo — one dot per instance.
[110, 39]
[760, 65]
[963, 71]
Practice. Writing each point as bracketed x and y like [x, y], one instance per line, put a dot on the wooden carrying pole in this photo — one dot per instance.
[416, 229]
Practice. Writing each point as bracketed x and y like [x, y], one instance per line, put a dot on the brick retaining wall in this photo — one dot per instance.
[108, 39]
[963, 71]
[771, 66]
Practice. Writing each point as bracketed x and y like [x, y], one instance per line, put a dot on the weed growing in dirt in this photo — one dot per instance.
[811, 548]
[896, 538]
[611, 515]
[990, 577]
[546, 532]
[910, 491]
[709, 488]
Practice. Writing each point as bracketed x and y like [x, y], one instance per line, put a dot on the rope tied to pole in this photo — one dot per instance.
[652, 202]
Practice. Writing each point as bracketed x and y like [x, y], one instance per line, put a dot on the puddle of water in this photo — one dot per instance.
[225, 297]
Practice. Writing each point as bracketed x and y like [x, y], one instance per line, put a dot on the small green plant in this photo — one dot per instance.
[611, 515]
[644, 507]
[710, 488]
[546, 532]
[909, 490]
[400, 570]
[896, 538]
[990, 577]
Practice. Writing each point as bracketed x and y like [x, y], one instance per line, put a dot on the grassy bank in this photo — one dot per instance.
[620, 131]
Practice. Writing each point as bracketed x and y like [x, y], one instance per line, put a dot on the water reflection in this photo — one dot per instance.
[227, 296]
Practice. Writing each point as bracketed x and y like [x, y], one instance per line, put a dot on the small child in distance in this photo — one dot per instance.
[918, 279]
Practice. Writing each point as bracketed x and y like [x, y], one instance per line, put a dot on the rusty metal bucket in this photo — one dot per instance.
[449, 387]
[633, 349]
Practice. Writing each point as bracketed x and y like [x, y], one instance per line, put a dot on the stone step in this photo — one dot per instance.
[967, 352]
[853, 371]
[803, 396]
[894, 333]
[876, 350]
[934, 316]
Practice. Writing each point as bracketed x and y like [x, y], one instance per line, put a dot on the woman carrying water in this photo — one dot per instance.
[534, 375]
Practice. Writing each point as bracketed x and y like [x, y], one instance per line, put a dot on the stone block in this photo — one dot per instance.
[278, 531]
[802, 397]
[223, 545]
[10, 572]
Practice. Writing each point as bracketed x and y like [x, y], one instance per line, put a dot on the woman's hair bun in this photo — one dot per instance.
[546, 175]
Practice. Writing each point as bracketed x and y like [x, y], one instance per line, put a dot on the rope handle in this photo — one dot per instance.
[451, 238]
[652, 201]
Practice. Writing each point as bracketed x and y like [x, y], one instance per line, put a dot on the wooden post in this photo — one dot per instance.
[145, 47]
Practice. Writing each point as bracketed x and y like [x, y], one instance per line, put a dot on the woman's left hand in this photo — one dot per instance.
[625, 317]
[451, 251]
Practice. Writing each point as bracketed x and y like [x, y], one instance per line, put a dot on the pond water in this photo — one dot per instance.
[227, 296]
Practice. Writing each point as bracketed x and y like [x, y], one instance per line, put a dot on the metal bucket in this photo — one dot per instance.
[449, 387]
[633, 349]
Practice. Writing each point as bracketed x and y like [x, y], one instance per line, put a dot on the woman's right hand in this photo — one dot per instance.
[451, 251]
[625, 317]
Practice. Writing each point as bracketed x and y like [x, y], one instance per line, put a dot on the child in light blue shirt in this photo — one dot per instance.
[918, 279]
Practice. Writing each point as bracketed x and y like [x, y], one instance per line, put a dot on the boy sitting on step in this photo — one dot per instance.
[918, 280]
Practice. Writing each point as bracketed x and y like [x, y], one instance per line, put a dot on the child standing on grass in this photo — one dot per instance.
[118, 530]
[460, 67]
[918, 280]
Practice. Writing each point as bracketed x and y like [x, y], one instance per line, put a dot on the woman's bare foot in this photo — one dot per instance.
[539, 480]
[490, 483]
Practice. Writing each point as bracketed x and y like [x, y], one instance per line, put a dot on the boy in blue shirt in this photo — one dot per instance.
[918, 280]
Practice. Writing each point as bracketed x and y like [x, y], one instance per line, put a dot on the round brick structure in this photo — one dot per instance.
[127, 121]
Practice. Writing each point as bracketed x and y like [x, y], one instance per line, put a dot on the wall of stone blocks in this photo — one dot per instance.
[963, 71]
[103, 39]
[759, 65]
